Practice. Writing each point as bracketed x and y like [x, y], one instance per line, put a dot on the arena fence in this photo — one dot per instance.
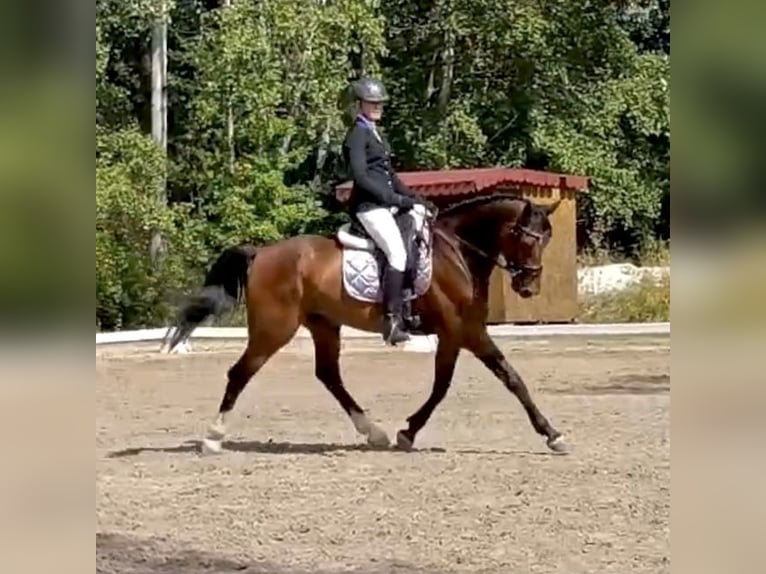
[416, 344]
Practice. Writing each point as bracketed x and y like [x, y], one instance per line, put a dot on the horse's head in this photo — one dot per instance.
[507, 226]
[522, 241]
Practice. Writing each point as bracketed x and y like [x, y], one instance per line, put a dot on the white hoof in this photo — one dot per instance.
[183, 348]
[211, 446]
[402, 442]
[558, 445]
[377, 437]
[216, 432]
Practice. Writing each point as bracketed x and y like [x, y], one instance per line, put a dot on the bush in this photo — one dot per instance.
[133, 287]
[646, 301]
[653, 252]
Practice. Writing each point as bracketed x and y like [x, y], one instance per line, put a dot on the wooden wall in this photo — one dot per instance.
[557, 300]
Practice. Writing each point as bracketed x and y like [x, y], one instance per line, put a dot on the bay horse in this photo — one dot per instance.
[299, 281]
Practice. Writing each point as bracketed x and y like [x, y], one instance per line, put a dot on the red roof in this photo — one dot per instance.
[469, 181]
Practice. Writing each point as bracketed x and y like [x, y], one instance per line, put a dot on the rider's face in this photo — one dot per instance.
[372, 111]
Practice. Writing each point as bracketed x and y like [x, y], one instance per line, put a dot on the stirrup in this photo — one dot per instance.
[393, 331]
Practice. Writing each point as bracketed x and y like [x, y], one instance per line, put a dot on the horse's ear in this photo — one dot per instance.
[527, 211]
[551, 207]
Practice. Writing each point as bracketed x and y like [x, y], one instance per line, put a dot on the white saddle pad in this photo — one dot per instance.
[361, 275]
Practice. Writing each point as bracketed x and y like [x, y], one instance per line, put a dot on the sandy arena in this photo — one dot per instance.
[299, 492]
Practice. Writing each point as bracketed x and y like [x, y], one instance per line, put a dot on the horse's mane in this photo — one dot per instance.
[478, 201]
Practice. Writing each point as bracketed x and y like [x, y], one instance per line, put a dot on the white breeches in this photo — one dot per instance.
[381, 226]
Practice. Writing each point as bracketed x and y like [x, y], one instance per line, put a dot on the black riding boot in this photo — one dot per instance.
[393, 327]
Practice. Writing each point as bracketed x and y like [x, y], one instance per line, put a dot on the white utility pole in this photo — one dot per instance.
[159, 79]
[230, 116]
[160, 103]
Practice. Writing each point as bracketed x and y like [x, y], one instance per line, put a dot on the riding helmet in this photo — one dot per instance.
[370, 90]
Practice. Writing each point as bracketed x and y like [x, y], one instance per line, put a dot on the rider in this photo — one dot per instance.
[377, 194]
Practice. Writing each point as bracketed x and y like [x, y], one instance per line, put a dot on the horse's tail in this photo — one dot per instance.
[222, 290]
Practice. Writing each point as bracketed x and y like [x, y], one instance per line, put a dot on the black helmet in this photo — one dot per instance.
[370, 90]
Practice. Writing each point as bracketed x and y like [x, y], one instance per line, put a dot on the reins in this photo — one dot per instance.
[511, 267]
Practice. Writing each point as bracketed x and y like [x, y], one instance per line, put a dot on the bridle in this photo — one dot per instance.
[511, 267]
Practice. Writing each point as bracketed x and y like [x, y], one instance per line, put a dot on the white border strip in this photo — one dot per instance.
[240, 333]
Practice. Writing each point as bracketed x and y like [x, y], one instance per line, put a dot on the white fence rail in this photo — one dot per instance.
[416, 344]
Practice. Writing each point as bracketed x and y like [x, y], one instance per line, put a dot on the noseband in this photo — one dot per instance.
[516, 268]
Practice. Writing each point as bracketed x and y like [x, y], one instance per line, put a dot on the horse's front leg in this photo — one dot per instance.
[487, 352]
[444, 368]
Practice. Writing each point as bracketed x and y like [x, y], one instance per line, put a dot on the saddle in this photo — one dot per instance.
[364, 262]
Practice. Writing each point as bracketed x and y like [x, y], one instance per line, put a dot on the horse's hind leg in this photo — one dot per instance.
[263, 343]
[326, 338]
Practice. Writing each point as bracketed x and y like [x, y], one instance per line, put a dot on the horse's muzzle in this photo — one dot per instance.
[526, 292]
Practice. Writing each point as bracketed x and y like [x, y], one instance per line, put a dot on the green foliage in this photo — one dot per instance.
[276, 70]
[132, 287]
[550, 85]
[258, 108]
[459, 142]
[654, 253]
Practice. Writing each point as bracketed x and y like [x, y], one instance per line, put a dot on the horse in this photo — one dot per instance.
[305, 281]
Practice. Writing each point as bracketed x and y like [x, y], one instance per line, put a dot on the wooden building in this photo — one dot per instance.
[557, 301]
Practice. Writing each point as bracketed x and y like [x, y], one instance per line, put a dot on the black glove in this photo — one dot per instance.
[405, 202]
[429, 205]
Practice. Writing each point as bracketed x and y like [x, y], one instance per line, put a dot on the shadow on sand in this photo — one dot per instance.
[270, 447]
[122, 554]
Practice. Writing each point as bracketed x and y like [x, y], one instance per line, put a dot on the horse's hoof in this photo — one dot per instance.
[403, 442]
[211, 446]
[558, 445]
[216, 432]
[377, 437]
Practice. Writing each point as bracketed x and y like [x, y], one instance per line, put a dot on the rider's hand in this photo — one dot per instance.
[405, 202]
[427, 206]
